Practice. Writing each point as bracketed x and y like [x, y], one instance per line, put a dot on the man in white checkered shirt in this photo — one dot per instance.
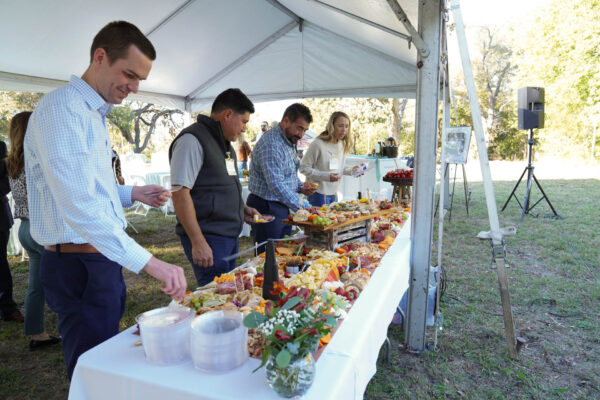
[76, 207]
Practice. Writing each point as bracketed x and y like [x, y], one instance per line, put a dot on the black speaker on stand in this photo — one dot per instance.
[531, 116]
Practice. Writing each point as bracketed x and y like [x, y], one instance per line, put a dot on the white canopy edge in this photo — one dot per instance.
[26, 83]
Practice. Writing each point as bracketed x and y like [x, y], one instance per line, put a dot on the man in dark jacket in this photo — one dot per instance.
[207, 194]
[8, 307]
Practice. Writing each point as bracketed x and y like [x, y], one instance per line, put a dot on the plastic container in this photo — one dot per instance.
[219, 341]
[165, 335]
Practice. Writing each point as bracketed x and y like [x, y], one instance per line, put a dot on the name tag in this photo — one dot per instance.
[334, 164]
[230, 164]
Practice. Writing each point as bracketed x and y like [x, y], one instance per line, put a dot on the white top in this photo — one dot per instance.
[320, 160]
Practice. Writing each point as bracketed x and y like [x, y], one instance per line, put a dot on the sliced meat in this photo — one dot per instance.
[226, 287]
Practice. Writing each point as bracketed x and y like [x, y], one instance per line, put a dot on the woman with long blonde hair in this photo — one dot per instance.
[323, 162]
[34, 300]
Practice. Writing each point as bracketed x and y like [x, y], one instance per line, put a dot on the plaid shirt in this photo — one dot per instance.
[274, 169]
[72, 193]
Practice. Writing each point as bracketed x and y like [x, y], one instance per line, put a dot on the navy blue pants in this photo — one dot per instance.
[317, 199]
[87, 292]
[274, 229]
[221, 246]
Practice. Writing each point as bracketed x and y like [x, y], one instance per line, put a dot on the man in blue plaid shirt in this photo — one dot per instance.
[274, 184]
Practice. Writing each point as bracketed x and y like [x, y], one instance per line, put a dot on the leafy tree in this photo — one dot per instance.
[403, 129]
[12, 103]
[137, 122]
[560, 51]
[494, 73]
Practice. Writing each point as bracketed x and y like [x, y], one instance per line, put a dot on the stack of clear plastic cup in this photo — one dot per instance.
[219, 341]
[165, 335]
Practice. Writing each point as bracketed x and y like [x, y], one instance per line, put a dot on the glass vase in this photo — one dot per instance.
[295, 379]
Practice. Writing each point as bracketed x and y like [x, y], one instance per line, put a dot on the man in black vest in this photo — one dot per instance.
[207, 194]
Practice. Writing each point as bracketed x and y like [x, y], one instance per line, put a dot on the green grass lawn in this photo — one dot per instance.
[555, 292]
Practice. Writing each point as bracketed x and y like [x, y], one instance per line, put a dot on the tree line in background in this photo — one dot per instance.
[558, 50]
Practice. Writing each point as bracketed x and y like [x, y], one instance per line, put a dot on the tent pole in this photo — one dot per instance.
[416, 36]
[496, 236]
[425, 158]
[443, 178]
[166, 20]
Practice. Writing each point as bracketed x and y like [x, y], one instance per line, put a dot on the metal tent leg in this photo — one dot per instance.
[423, 197]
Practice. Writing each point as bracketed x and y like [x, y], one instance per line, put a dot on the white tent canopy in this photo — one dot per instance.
[270, 49]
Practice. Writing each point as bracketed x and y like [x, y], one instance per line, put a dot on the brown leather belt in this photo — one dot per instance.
[84, 248]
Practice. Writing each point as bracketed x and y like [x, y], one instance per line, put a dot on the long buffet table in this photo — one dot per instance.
[116, 369]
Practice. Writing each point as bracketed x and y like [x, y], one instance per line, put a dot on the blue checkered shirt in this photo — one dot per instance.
[72, 193]
[274, 169]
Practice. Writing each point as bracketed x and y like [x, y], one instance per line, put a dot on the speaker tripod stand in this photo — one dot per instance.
[525, 208]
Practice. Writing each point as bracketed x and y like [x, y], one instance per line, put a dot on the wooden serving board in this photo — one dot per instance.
[310, 225]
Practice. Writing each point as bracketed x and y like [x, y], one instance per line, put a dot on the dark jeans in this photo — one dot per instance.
[317, 199]
[272, 230]
[88, 293]
[35, 301]
[221, 246]
[7, 303]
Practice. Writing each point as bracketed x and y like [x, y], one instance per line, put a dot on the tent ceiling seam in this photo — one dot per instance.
[242, 59]
[367, 48]
[364, 20]
[285, 10]
[169, 17]
[10, 76]
[55, 83]
[320, 93]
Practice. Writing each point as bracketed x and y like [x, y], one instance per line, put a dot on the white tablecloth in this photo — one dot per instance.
[116, 369]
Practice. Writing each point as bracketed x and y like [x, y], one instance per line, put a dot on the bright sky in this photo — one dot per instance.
[497, 12]
[475, 13]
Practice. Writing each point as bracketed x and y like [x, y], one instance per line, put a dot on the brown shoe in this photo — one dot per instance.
[14, 316]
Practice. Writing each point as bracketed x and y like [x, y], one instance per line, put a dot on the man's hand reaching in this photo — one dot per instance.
[152, 195]
[172, 276]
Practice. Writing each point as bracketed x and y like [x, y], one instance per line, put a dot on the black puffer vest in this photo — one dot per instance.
[217, 196]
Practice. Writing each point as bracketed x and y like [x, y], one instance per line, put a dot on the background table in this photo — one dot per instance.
[372, 179]
[116, 369]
